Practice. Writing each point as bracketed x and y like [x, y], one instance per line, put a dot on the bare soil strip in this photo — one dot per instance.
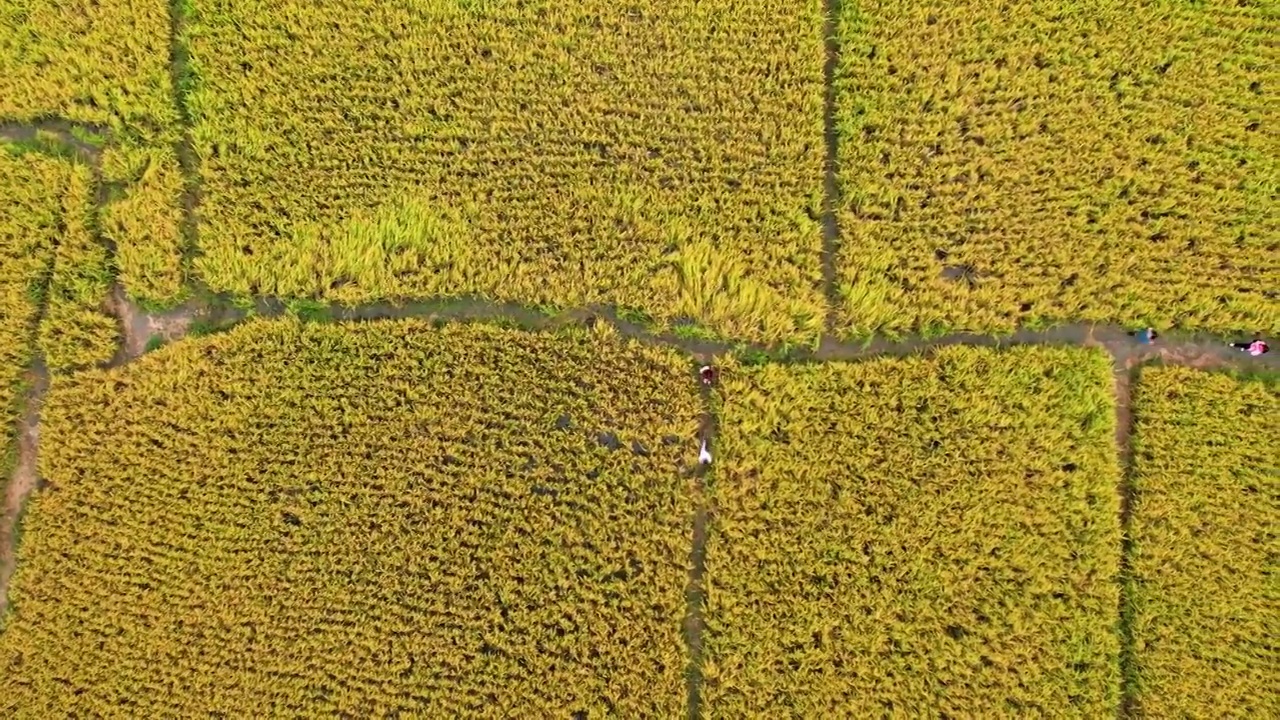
[1175, 348]
[693, 622]
[695, 591]
[139, 327]
[1124, 380]
[64, 131]
[25, 478]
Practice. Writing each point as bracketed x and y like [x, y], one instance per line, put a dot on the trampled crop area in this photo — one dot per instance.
[366, 519]
[661, 156]
[1006, 164]
[916, 537]
[1205, 602]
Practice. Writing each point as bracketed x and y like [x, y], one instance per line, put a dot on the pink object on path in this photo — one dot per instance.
[708, 374]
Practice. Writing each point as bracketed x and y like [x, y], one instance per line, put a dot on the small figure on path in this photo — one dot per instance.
[708, 375]
[1254, 348]
[1146, 336]
[704, 456]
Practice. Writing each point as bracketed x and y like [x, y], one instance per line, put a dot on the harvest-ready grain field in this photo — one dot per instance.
[915, 537]
[1204, 602]
[100, 62]
[52, 270]
[1021, 163]
[367, 520]
[33, 187]
[663, 156]
[350, 358]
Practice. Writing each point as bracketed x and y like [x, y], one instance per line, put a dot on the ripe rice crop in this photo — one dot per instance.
[145, 222]
[360, 520]
[75, 330]
[1205, 607]
[30, 216]
[916, 537]
[103, 62]
[1032, 162]
[664, 156]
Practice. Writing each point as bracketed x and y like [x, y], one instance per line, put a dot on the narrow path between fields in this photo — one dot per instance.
[64, 138]
[1126, 375]
[695, 591]
[831, 174]
[25, 478]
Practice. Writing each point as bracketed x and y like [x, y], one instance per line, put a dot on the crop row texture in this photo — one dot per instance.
[143, 221]
[32, 192]
[916, 537]
[1205, 600]
[998, 166]
[1018, 163]
[102, 62]
[317, 519]
[77, 330]
[664, 156]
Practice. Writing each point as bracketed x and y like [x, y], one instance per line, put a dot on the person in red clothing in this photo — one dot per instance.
[708, 375]
[1255, 348]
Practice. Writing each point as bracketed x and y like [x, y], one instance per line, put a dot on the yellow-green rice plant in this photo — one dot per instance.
[30, 216]
[1052, 160]
[76, 330]
[915, 537]
[712, 286]
[30, 213]
[145, 222]
[369, 520]
[73, 335]
[1205, 598]
[585, 144]
[104, 62]
[406, 248]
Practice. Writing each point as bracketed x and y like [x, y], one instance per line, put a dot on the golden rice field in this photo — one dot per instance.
[1029, 162]
[103, 62]
[454, 520]
[33, 188]
[661, 156]
[919, 537]
[364, 520]
[143, 222]
[1204, 601]
[77, 330]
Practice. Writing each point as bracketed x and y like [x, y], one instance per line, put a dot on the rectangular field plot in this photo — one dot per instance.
[664, 156]
[360, 520]
[918, 537]
[104, 62]
[1205, 600]
[36, 193]
[1020, 163]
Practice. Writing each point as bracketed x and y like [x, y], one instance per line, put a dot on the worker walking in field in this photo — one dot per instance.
[1254, 348]
[708, 375]
[1146, 336]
